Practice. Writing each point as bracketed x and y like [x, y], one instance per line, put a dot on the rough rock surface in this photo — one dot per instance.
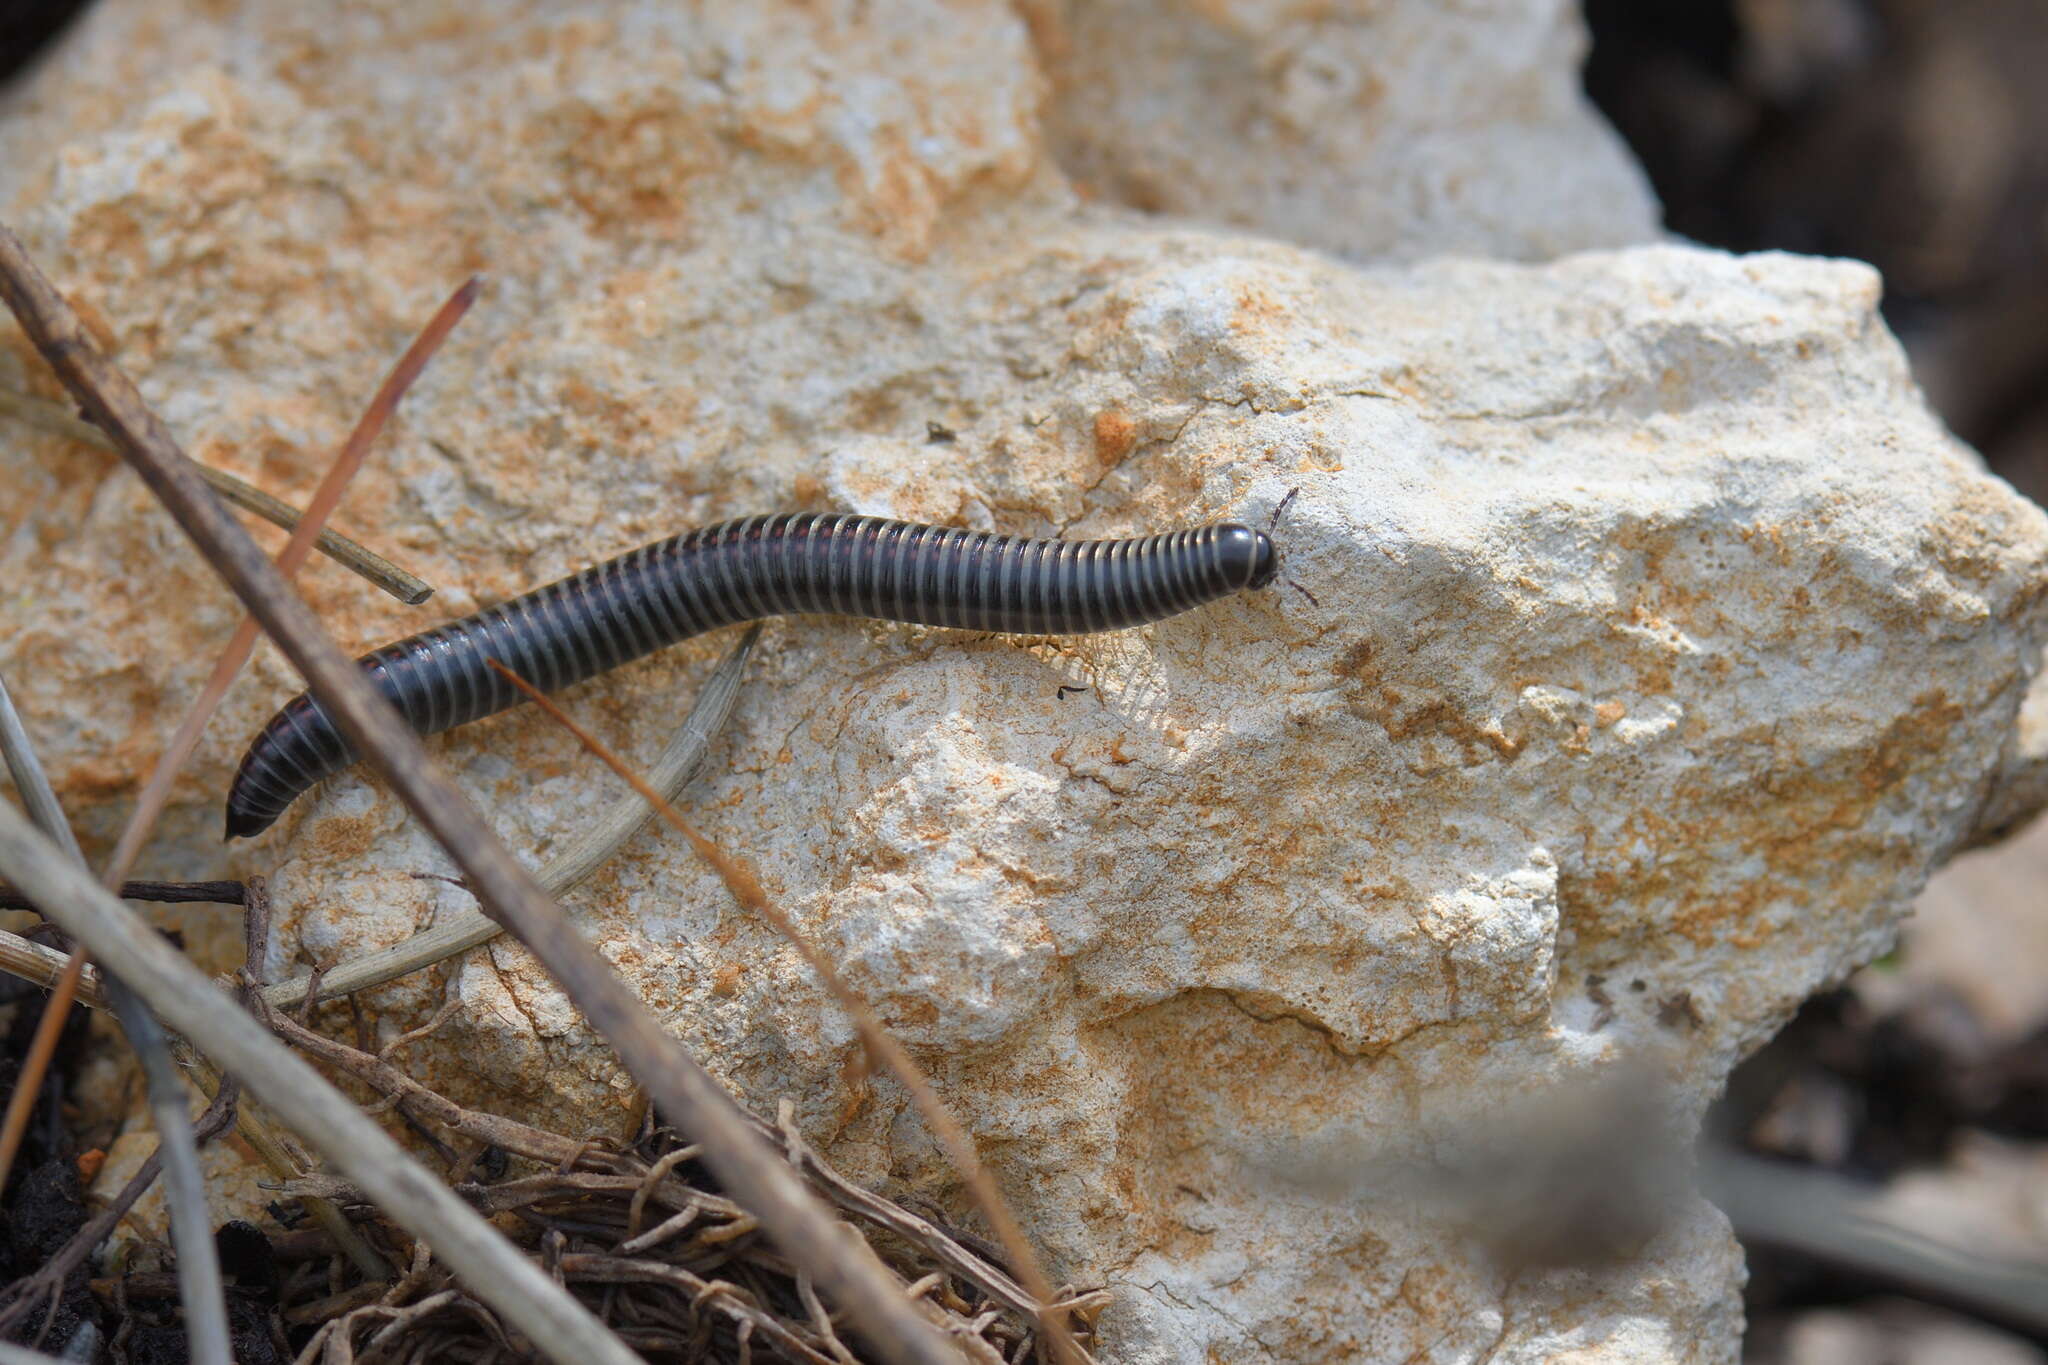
[1404, 130]
[1653, 642]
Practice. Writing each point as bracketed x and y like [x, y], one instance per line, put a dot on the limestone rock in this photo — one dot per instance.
[1897, 1330]
[1374, 130]
[1646, 641]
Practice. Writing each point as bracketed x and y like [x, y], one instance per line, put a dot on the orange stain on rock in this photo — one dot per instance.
[1257, 310]
[1800, 820]
[1115, 437]
[630, 166]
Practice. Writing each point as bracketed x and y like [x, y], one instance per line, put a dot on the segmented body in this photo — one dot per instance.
[739, 571]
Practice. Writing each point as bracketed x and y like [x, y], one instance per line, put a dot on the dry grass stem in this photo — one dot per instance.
[157, 790]
[679, 762]
[35, 963]
[184, 998]
[694, 1286]
[846, 1270]
[275, 1149]
[407, 587]
[883, 1049]
[347, 461]
[206, 1318]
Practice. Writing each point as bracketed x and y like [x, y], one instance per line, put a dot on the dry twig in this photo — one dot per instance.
[206, 1318]
[185, 999]
[841, 1265]
[680, 761]
[697, 1283]
[406, 587]
[162, 893]
[157, 790]
[287, 1162]
[325, 499]
[883, 1049]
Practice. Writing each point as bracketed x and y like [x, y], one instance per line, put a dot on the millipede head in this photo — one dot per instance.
[1247, 556]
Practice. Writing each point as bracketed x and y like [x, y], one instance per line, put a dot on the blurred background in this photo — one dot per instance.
[1912, 134]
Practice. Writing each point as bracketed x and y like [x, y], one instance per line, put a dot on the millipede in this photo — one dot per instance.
[742, 570]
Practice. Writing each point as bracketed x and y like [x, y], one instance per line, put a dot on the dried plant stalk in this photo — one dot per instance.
[199, 1281]
[347, 461]
[591, 848]
[408, 588]
[882, 1047]
[185, 999]
[842, 1266]
[157, 790]
[287, 1162]
[35, 963]
[674, 1265]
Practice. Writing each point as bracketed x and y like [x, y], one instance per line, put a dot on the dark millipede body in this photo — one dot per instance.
[738, 571]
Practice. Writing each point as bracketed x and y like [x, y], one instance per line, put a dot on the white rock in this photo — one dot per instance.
[1653, 642]
[1899, 1332]
[1374, 130]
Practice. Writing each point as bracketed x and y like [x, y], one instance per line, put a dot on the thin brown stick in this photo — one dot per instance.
[199, 1278]
[843, 1266]
[408, 588]
[586, 851]
[186, 1000]
[157, 790]
[161, 893]
[883, 1049]
[325, 499]
[35, 1062]
[490, 1129]
[287, 1162]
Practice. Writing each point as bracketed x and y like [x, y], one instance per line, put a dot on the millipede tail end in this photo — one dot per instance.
[248, 813]
[246, 824]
